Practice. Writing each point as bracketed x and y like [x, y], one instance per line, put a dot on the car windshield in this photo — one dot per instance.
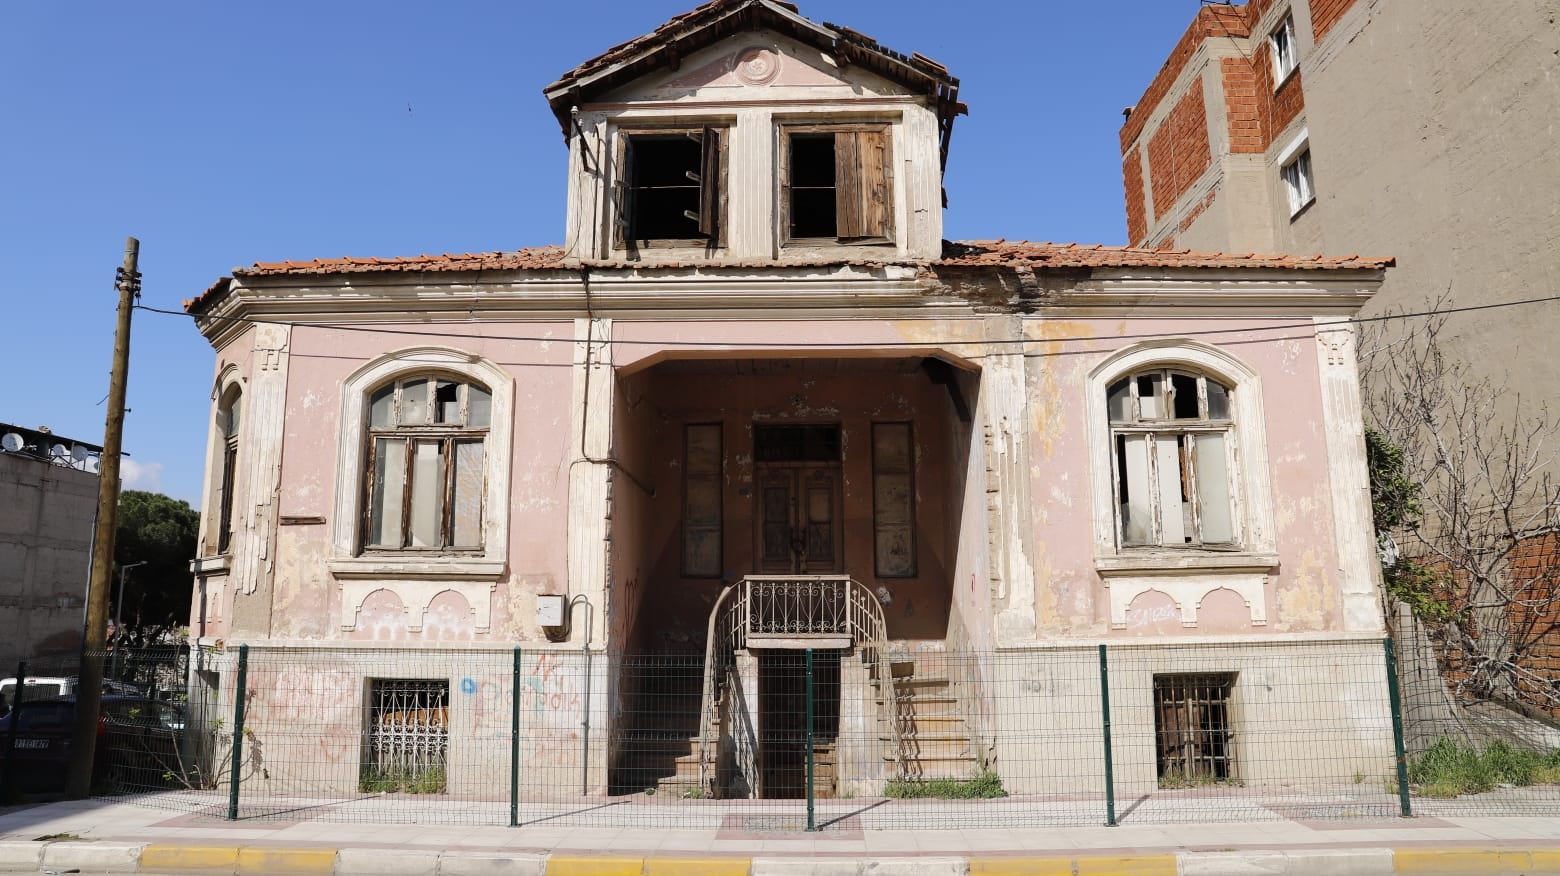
[31, 691]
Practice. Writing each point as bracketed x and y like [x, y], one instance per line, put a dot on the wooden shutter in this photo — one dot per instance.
[709, 184]
[861, 179]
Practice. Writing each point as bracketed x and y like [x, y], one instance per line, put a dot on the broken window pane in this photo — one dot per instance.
[427, 494]
[812, 186]
[1151, 396]
[446, 402]
[1184, 392]
[466, 503]
[1213, 489]
[702, 500]
[384, 525]
[1173, 510]
[893, 500]
[664, 173]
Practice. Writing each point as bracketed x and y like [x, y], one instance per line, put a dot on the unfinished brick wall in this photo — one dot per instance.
[1325, 14]
[1137, 208]
[1276, 107]
[1211, 21]
[1178, 153]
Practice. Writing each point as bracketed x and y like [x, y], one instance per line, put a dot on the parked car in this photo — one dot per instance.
[139, 744]
[39, 687]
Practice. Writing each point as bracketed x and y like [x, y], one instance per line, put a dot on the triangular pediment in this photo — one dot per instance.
[677, 56]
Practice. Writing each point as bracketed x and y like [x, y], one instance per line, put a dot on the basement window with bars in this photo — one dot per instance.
[1173, 455]
[838, 184]
[1194, 729]
[408, 736]
[427, 470]
[670, 191]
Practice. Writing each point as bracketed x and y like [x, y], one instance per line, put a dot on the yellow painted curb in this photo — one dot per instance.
[1463, 861]
[158, 857]
[698, 866]
[595, 866]
[259, 861]
[1133, 865]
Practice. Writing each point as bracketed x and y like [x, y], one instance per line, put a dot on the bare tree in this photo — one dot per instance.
[1468, 504]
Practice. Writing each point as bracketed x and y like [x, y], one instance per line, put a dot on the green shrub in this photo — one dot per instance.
[1450, 769]
[429, 780]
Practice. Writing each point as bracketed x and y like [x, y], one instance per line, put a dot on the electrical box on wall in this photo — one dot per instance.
[549, 610]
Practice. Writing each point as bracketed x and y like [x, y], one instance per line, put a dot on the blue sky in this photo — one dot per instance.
[226, 133]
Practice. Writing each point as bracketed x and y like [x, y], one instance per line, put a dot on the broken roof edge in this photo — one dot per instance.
[696, 29]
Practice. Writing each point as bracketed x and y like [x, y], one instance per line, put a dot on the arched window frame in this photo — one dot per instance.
[1254, 544]
[348, 558]
[224, 445]
[229, 425]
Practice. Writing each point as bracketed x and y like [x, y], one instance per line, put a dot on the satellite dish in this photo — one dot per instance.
[93, 464]
[59, 450]
[12, 442]
[78, 453]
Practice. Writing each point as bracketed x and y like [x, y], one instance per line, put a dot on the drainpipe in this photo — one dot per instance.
[585, 724]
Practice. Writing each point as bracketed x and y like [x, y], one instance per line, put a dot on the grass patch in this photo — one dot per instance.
[983, 787]
[373, 780]
[1451, 769]
[1175, 780]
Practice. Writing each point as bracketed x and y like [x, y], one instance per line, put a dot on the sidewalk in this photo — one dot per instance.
[105, 837]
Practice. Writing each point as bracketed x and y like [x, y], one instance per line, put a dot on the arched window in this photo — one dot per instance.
[1172, 459]
[427, 458]
[228, 417]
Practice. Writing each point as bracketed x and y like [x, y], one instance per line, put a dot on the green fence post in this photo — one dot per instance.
[811, 824]
[238, 730]
[1110, 769]
[514, 745]
[1397, 729]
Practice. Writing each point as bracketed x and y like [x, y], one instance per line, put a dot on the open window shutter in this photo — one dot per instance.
[862, 184]
[709, 184]
[623, 196]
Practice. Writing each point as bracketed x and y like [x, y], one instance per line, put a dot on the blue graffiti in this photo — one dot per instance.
[468, 685]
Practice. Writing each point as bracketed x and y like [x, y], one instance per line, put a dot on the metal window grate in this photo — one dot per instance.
[1193, 729]
[408, 736]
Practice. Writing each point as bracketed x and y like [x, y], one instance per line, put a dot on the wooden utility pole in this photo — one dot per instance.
[89, 690]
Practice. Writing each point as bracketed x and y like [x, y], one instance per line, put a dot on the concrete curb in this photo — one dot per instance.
[89, 857]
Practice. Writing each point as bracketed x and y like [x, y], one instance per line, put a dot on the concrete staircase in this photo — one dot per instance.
[934, 739]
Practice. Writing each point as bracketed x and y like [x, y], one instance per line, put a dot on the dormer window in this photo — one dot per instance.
[837, 184]
[669, 193]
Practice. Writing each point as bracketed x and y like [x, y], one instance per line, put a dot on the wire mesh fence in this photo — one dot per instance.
[784, 739]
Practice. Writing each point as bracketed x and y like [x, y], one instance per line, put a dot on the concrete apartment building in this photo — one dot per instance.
[756, 403]
[48, 498]
[1422, 130]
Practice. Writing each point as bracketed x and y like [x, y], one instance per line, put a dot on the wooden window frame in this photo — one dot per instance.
[878, 526]
[783, 178]
[1167, 427]
[718, 528]
[713, 212]
[449, 435]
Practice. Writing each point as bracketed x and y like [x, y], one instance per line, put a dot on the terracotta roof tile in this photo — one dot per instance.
[1072, 255]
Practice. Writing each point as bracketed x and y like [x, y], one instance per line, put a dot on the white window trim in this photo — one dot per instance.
[1251, 489]
[1287, 28]
[1301, 190]
[344, 561]
[216, 445]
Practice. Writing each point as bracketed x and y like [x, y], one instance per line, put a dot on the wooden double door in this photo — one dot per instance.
[798, 529]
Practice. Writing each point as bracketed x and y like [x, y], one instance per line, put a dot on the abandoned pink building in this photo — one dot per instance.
[755, 403]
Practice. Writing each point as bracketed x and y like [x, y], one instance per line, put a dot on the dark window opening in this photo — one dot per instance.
[671, 189]
[408, 736]
[796, 443]
[1193, 729]
[812, 186]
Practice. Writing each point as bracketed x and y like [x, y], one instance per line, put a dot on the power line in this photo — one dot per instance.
[1310, 327]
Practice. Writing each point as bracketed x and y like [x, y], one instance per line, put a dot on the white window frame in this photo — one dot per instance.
[345, 560]
[1286, 52]
[1299, 183]
[1250, 480]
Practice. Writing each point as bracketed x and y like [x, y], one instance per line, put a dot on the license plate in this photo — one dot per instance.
[32, 743]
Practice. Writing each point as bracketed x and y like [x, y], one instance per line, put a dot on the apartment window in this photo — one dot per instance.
[1297, 181]
[228, 417]
[1194, 729]
[1172, 450]
[670, 192]
[426, 472]
[837, 183]
[408, 736]
[701, 501]
[893, 500]
[1285, 56]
